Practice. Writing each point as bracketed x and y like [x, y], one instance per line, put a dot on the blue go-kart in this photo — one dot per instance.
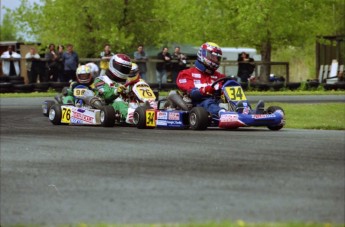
[175, 112]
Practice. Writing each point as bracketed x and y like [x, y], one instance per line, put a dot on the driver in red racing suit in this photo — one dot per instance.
[196, 81]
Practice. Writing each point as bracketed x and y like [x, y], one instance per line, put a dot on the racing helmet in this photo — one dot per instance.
[134, 74]
[210, 55]
[119, 67]
[83, 75]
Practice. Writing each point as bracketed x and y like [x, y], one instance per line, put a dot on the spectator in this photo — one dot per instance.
[70, 61]
[141, 58]
[60, 67]
[105, 57]
[179, 65]
[33, 66]
[163, 67]
[10, 62]
[52, 63]
[246, 67]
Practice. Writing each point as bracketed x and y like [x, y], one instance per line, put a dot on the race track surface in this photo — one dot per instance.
[72, 174]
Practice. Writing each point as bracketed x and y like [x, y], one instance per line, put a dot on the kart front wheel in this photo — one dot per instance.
[271, 110]
[198, 118]
[55, 114]
[107, 116]
[139, 117]
[46, 107]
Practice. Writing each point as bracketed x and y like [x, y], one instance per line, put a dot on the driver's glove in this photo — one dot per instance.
[208, 90]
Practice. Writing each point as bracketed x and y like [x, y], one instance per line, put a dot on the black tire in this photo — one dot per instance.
[198, 118]
[107, 116]
[6, 87]
[23, 88]
[139, 117]
[4, 79]
[41, 87]
[271, 110]
[55, 114]
[48, 104]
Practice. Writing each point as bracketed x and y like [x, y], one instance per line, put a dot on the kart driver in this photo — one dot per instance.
[83, 78]
[196, 81]
[109, 87]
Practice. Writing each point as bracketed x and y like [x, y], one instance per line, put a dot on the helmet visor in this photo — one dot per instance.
[84, 76]
[125, 69]
[213, 56]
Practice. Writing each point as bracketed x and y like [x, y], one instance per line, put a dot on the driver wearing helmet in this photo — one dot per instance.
[84, 80]
[196, 81]
[109, 86]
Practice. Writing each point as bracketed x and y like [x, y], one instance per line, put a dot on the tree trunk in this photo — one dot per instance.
[266, 49]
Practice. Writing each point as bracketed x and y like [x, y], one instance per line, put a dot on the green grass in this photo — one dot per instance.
[313, 116]
[238, 223]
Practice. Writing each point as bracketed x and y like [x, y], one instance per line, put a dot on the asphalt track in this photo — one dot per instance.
[72, 174]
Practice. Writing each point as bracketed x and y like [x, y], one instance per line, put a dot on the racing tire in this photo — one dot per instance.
[107, 116]
[198, 118]
[48, 104]
[271, 110]
[55, 114]
[139, 117]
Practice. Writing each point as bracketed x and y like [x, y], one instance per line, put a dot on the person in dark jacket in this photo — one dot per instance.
[163, 67]
[246, 67]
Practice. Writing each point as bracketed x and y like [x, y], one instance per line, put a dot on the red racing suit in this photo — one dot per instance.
[191, 80]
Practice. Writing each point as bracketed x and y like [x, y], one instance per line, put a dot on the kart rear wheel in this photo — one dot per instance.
[55, 114]
[107, 116]
[198, 118]
[139, 117]
[271, 110]
[46, 107]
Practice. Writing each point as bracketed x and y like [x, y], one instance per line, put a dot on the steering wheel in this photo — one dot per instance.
[218, 92]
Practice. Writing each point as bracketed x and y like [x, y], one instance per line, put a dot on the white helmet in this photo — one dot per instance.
[84, 74]
[119, 67]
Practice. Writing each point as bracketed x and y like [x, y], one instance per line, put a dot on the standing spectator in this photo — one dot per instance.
[141, 58]
[70, 61]
[179, 65]
[52, 63]
[10, 62]
[33, 66]
[246, 67]
[163, 67]
[60, 66]
[105, 57]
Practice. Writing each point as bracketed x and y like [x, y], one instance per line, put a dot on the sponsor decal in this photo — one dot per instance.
[196, 75]
[82, 117]
[228, 117]
[162, 115]
[81, 110]
[161, 123]
[174, 116]
[214, 77]
[260, 116]
[182, 81]
[174, 123]
[197, 82]
[76, 121]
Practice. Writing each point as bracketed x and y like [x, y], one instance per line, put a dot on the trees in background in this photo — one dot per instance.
[267, 25]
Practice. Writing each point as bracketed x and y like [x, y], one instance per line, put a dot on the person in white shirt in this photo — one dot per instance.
[33, 65]
[10, 62]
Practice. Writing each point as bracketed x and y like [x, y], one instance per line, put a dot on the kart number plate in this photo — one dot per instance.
[235, 93]
[143, 91]
[150, 118]
[78, 92]
[66, 115]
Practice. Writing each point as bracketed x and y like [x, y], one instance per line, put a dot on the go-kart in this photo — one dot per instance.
[237, 112]
[86, 110]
